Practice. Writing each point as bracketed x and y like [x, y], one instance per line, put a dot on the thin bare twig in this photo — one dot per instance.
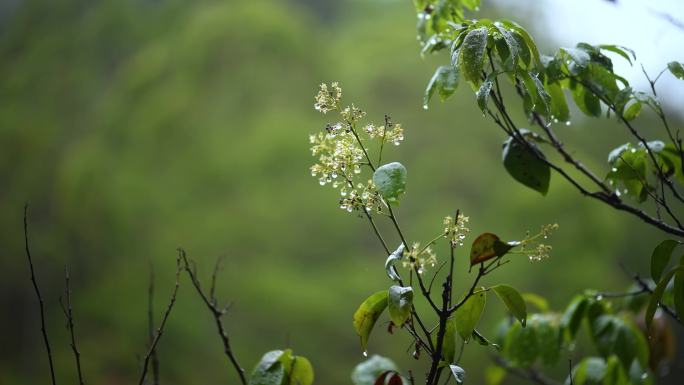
[40, 297]
[68, 313]
[160, 330]
[216, 312]
[150, 326]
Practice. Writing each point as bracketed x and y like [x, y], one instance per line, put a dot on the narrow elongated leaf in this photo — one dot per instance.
[458, 372]
[400, 302]
[390, 180]
[366, 315]
[524, 163]
[559, 105]
[513, 301]
[622, 51]
[472, 54]
[661, 257]
[467, 316]
[677, 69]
[528, 42]
[657, 294]
[487, 246]
[511, 44]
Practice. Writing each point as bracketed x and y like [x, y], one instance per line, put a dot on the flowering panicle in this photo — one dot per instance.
[538, 251]
[457, 231]
[419, 259]
[341, 151]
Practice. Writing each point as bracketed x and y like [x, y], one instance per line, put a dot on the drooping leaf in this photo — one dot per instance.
[559, 105]
[369, 370]
[661, 257]
[657, 294]
[632, 110]
[676, 68]
[390, 269]
[524, 163]
[487, 246]
[528, 42]
[483, 95]
[622, 51]
[400, 302]
[512, 46]
[444, 82]
[366, 315]
[513, 301]
[579, 60]
[390, 180]
[449, 342]
[458, 372]
[269, 371]
[473, 53]
[467, 316]
[482, 340]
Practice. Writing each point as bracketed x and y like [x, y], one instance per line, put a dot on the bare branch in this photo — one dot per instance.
[68, 313]
[160, 330]
[216, 312]
[40, 297]
[150, 326]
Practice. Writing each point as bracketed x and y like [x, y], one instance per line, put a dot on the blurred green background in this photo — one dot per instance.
[135, 127]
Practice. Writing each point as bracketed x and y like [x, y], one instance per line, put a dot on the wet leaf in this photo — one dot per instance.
[524, 162]
[458, 372]
[487, 246]
[367, 314]
[661, 257]
[467, 316]
[390, 180]
[513, 301]
[472, 54]
[400, 302]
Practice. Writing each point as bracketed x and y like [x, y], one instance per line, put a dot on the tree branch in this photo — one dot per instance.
[68, 313]
[40, 297]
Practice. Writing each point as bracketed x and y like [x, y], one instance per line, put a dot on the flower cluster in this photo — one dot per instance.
[362, 197]
[390, 132]
[417, 258]
[456, 231]
[342, 150]
[326, 99]
[537, 251]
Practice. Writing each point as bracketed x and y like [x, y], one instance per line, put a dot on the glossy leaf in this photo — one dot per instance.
[513, 301]
[620, 50]
[527, 40]
[458, 372]
[444, 82]
[512, 46]
[467, 316]
[587, 102]
[487, 246]
[521, 345]
[661, 257]
[367, 314]
[390, 180]
[400, 302]
[677, 69]
[524, 163]
[559, 105]
[473, 53]
[482, 340]
[632, 110]
[449, 342]
[369, 370]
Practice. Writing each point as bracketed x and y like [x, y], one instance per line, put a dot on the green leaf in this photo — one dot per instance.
[521, 345]
[467, 316]
[548, 338]
[678, 290]
[487, 246]
[444, 81]
[622, 51]
[482, 340]
[572, 318]
[592, 369]
[661, 257]
[400, 302]
[579, 60]
[449, 343]
[302, 371]
[511, 44]
[494, 375]
[632, 111]
[586, 101]
[390, 180]
[368, 371]
[658, 294]
[366, 315]
[269, 371]
[528, 42]
[513, 301]
[538, 301]
[677, 69]
[472, 54]
[559, 106]
[483, 95]
[524, 163]
[458, 372]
